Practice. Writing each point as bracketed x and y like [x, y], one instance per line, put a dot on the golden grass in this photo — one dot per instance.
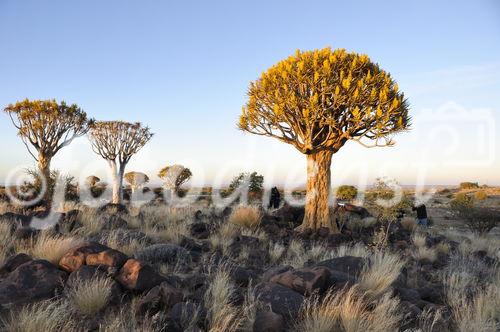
[443, 248]
[48, 247]
[418, 239]
[89, 297]
[246, 216]
[43, 316]
[224, 316]
[348, 311]
[6, 241]
[425, 254]
[276, 251]
[380, 273]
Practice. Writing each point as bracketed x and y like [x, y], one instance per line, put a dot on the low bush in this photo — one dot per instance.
[246, 216]
[347, 192]
[480, 195]
[469, 185]
[462, 201]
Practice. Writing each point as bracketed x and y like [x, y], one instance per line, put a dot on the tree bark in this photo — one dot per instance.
[317, 210]
[44, 170]
[117, 182]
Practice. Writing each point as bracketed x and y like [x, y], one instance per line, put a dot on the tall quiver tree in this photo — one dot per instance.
[117, 142]
[319, 100]
[45, 127]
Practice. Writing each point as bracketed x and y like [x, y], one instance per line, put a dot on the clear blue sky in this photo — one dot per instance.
[183, 69]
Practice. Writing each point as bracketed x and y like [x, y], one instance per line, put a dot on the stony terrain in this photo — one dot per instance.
[155, 268]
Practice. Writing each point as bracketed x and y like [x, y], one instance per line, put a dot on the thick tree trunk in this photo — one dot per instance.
[317, 209]
[117, 182]
[44, 170]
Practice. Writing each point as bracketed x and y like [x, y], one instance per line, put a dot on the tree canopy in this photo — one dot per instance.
[174, 176]
[318, 100]
[47, 125]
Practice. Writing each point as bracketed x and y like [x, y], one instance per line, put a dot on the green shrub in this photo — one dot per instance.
[462, 201]
[480, 195]
[469, 185]
[347, 192]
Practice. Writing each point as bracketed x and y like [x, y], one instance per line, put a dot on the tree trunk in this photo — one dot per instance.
[117, 182]
[317, 209]
[44, 170]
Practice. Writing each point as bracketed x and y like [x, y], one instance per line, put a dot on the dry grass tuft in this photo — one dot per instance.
[348, 311]
[42, 316]
[418, 239]
[115, 240]
[223, 315]
[380, 273]
[246, 216]
[276, 251]
[90, 296]
[49, 247]
[425, 254]
[6, 240]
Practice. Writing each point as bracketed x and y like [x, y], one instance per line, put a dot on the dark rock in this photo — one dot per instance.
[111, 208]
[241, 276]
[432, 294]
[305, 280]
[135, 275]
[282, 300]
[200, 230]
[339, 280]
[348, 264]
[158, 297]
[268, 321]
[163, 253]
[407, 294]
[32, 281]
[111, 222]
[76, 257]
[272, 271]
[410, 313]
[13, 262]
[24, 233]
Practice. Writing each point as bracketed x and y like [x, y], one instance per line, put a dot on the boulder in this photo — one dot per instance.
[13, 262]
[241, 276]
[199, 230]
[163, 295]
[339, 280]
[183, 312]
[113, 222]
[349, 265]
[138, 276]
[268, 321]
[282, 300]
[77, 257]
[407, 294]
[32, 281]
[108, 257]
[305, 280]
[162, 253]
[275, 270]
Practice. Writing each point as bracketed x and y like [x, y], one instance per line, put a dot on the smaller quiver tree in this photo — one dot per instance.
[117, 142]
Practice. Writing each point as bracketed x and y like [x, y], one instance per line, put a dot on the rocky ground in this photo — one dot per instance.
[240, 269]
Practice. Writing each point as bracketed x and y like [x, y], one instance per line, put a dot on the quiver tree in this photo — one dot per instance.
[174, 176]
[117, 142]
[136, 180]
[45, 127]
[319, 100]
